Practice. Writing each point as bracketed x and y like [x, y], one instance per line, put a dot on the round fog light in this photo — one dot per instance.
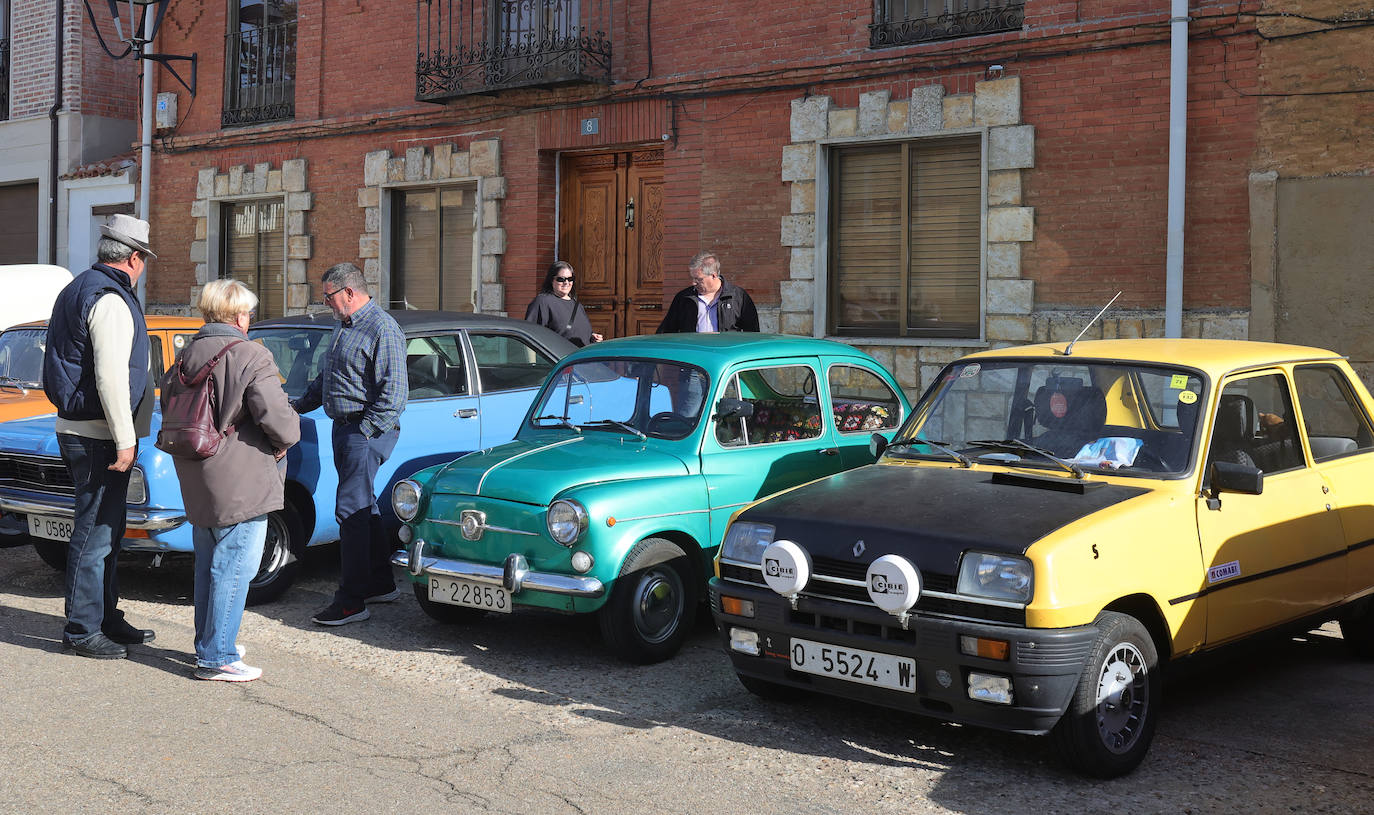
[405, 534]
[582, 562]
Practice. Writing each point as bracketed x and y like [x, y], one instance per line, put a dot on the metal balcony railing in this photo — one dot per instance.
[478, 46]
[902, 22]
[4, 79]
[260, 77]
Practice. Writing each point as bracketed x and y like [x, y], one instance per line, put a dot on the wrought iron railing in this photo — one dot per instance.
[4, 79]
[476, 46]
[260, 77]
[902, 22]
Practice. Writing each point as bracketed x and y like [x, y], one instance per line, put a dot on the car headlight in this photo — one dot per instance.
[996, 577]
[745, 542]
[138, 487]
[567, 520]
[405, 499]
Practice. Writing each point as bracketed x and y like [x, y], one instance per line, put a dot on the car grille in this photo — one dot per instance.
[827, 570]
[38, 473]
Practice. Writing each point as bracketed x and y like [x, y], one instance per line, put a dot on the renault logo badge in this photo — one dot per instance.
[858, 548]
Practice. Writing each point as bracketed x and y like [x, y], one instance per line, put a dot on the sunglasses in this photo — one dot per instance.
[563, 279]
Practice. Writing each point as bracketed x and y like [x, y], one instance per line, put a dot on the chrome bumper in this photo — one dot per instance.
[151, 520]
[514, 574]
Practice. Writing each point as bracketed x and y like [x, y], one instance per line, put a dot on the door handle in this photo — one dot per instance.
[465, 413]
[630, 214]
[649, 306]
[829, 451]
[593, 307]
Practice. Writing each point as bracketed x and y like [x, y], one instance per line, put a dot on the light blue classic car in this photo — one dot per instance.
[471, 379]
[613, 497]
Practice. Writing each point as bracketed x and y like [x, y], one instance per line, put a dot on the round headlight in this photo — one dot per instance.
[567, 520]
[405, 499]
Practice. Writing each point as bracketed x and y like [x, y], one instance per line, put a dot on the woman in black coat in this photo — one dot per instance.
[555, 308]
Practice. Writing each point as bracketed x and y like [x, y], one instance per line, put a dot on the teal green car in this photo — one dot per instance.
[617, 489]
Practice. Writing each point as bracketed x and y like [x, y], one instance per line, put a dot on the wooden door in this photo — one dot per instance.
[611, 231]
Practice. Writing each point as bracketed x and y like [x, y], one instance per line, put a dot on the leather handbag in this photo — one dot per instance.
[190, 426]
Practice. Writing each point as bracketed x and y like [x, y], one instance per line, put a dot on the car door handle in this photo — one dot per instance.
[829, 451]
[466, 413]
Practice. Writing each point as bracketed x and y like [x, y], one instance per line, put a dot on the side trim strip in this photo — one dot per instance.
[1243, 579]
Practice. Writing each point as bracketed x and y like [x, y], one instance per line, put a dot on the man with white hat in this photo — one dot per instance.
[95, 370]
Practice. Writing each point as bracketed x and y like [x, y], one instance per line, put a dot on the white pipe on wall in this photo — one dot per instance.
[145, 159]
[1178, 157]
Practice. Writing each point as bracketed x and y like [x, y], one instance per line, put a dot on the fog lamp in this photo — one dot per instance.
[744, 641]
[989, 688]
[985, 648]
[737, 606]
[582, 562]
[405, 534]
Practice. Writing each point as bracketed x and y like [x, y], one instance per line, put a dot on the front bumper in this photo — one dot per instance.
[148, 520]
[1044, 665]
[513, 574]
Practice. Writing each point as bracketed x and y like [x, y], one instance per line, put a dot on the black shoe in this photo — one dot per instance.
[126, 634]
[96, 646]
[336, 614]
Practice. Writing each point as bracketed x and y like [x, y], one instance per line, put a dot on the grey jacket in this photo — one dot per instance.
[243, 480]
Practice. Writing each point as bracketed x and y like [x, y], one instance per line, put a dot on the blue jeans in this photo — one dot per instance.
[364, 551]
[97, 531]
[227, 558]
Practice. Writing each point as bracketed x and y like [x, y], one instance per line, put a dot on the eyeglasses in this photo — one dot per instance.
[330, 294]
[563, 280]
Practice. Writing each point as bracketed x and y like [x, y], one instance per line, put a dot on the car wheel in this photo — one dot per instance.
[1111, 720]
[52, 553]
[443, 612]
[771, 691]
[281, 553]
[652, 603]
[1357, 628]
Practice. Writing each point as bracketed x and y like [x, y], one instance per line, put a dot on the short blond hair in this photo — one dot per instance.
[223, 300]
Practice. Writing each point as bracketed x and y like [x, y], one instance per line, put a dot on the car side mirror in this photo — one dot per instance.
[877, 443]
[1241, 478]
[733, 409]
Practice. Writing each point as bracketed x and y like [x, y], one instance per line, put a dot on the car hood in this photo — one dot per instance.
[38, 435]
[535, 472]
[930, 515]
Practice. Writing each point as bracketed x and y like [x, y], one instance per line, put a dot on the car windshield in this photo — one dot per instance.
[299, 353]
[638, 397]
[1061, 415]
[21, 357]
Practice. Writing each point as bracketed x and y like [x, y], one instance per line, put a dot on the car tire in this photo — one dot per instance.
[1357, 628]
[1111, 719]
[52, 553]
[281, 556]
[769, 691]
[443, 612]
[652, 603]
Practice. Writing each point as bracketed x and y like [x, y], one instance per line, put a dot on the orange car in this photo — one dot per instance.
[21, 361]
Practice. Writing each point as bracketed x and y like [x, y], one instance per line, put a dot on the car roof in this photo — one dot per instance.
[414, 321]
[158, 322]
[1213, 356]
[723, 348]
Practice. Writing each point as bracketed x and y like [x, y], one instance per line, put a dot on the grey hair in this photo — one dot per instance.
[706, 262]
[346, 276]
[110, 250]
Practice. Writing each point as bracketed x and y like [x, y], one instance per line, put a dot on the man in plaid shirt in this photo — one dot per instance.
[363, 387]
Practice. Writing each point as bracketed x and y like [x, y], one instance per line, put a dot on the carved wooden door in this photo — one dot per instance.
[611, 231]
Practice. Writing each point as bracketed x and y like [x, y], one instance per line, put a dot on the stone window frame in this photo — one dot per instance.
[240, 184]
[427, 167]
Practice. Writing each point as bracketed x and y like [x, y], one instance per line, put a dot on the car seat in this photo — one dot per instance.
[1072, 414]
[1233, 433]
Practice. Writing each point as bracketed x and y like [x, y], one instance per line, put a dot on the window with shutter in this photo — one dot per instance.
[905, 239]
[432, 251]
[253, 251]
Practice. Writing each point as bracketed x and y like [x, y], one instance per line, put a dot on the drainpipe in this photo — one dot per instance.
[52, 138]
[1178, 139]
[145, 158]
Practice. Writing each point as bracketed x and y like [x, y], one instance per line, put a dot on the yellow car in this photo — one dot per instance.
[21, 361]
[1052, 525]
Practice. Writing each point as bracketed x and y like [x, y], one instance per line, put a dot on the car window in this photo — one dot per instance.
[860, 401]
[299, 353]
[180, 341]
[435, 367]
[506, 362]
[656, 398]
[1336, 423]
[784, 402]
[21, 356]
[156, 362]
[1254, 425]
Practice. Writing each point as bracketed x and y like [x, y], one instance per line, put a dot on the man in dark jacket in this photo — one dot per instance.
[710, 304]
[95, 370]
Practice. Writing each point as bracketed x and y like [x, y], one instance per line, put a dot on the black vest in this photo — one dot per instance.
[69, 361]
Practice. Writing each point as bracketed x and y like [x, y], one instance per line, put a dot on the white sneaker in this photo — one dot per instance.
[233, 672]
[242, 652]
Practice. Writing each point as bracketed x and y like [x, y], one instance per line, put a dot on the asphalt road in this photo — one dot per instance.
[528, 714]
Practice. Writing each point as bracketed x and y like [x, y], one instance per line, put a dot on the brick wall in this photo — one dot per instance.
[93, 83]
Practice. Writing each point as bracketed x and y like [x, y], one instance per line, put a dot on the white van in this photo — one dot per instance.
[31, 289]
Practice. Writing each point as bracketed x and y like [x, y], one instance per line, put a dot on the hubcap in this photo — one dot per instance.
[1122, 697]
[658, 604]
[276, 552]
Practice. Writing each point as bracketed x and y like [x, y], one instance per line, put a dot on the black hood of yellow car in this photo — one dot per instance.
[930, 515]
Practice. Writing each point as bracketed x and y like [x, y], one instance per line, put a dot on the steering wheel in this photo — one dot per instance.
[420, 380]
[669, 423]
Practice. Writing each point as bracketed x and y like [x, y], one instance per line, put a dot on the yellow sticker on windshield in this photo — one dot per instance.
[1187, 397]
[1178, 381]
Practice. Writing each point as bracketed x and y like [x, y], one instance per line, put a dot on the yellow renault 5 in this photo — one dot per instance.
[1053, 524]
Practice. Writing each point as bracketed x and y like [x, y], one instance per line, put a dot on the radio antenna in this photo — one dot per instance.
[1069, 349]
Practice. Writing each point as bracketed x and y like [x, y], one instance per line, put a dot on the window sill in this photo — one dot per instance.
[911, 342]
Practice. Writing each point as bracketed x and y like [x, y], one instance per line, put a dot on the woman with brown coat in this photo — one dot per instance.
[228, 495]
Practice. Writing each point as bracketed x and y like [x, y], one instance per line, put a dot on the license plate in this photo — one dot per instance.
[854, 665]
[466, 593]
[52, 527]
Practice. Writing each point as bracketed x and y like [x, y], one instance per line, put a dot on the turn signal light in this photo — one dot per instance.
[987, 649]
[737, 606]
[135, 533]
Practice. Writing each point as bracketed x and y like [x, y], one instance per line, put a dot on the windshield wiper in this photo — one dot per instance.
[16, 382]
[628, 428]
[964, 461]
[1017, 444]
[562, 421]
